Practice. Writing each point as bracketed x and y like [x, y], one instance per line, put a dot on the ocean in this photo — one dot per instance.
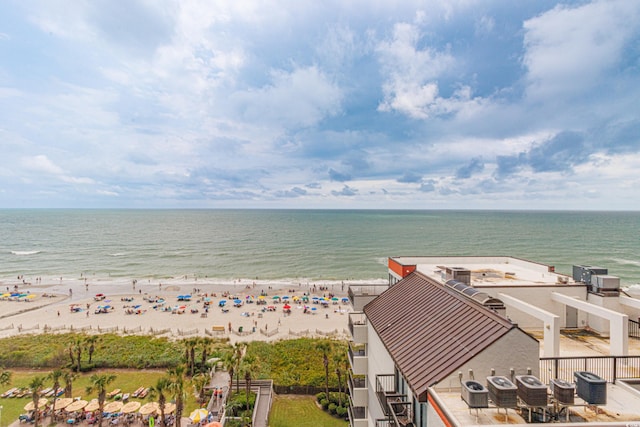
[300, 245]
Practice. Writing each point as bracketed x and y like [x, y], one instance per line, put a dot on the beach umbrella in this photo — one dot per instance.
[334, 299]
[222, 301]
[148, 408]
[94, 405]
[286, 297]
[130, 407]
[41, 402]
[286, 307]
[198, 415]
[261, 297]
[275, 297]
[62, 403]
[76, 405]
[345, 299]
[114, 406]
[237, 301]
[169, 408]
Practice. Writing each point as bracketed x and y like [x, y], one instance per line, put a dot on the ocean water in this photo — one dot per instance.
[301, 245]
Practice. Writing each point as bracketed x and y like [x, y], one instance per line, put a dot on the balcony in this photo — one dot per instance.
[360, 295]
[358, 416]
[358, 327]
[358, 390]
[358, 359]
[395, 405]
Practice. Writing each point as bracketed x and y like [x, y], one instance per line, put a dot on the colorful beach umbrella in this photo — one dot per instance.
[198, 415]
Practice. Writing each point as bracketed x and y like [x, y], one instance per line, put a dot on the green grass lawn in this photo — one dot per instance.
[126, 380]
[300, 411]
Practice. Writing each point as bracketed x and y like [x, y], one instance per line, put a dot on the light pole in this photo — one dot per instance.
[0, 415]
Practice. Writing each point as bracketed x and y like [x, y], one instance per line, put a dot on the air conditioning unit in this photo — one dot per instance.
[563, 391]
[591, 388]
[502, 392]
[531, 390]
[475, 394]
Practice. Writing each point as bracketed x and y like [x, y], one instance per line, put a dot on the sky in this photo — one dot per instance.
[359, 104]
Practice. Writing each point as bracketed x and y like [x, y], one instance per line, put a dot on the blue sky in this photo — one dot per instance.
[333, 104]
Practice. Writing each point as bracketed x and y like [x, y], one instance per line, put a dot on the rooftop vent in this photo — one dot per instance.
[563, 391]
[591, 388]
[475, 394]
[531, 390]
[458, 273]
[502, 392]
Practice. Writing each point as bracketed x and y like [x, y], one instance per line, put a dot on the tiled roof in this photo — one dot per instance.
[431, 330]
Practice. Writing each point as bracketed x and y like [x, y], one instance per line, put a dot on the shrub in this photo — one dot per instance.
[332, 408]
[320, 396]
[341, 411]
[324, 403]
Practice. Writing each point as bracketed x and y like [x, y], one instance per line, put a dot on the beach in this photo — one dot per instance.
[174, 308]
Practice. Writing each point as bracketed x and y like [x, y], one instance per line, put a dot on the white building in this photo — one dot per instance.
[445, 321]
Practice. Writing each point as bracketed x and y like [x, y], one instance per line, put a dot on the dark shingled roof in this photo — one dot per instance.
[431, 330]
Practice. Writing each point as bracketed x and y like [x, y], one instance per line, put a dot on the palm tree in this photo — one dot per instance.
[249, 366]
[36, 385]
[160, 391]
[55, 376]
[99, 383]
[77, 347]
[199, 382]
[339, 359]
[238, 350]
[91, 341]
[325, 348]
[69, 378]
[176, 386]
[189, 353]
[5, 376]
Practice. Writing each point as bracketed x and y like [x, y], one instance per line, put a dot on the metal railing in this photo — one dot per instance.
[356, 318]
[609, 368]
[634, 329]
[357, 382]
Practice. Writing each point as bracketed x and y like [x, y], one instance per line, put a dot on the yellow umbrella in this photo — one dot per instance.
[94, 405]
[62, 403]
[31, 296]
[41, 402]
[130, 407]
[114, 406]
[148, 408]
[76, 405]
[198, 415]
[169, 408]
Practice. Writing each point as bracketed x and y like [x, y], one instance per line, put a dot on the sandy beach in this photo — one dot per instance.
[159, 307]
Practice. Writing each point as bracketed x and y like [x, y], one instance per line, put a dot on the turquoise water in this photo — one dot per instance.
[302, 244]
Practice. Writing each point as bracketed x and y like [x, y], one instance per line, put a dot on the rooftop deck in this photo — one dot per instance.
[621, 407]
[491, 271]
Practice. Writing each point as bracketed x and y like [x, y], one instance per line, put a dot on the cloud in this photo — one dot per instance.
[346, 191]
[569, 49]
[242, 104]
[475, 165]
[334, 175]
[293, 192]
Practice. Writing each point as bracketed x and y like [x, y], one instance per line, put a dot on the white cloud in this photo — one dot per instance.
[569, 49]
